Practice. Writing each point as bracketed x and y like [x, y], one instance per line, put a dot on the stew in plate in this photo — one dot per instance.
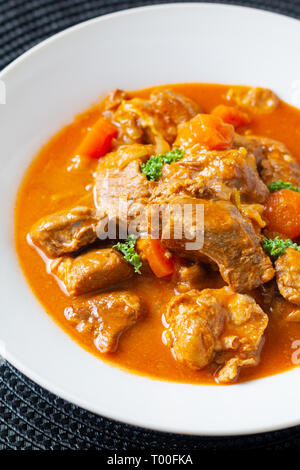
[160, 230]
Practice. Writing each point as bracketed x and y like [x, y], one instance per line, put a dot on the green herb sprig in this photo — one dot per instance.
[275, 247]
[152, 168]
[278, 185]
[127, 248]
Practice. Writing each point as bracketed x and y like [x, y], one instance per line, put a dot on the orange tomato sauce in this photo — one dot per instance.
[48, 186]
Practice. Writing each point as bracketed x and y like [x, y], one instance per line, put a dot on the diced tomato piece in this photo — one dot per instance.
[231, 115]
[206, 130]
[282, 213]
[98, 140]
[159, 259]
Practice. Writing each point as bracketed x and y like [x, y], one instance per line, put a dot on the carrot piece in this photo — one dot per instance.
[207, 131]
[282, 213]
[160, 263]
[231, 115]
[98, 140]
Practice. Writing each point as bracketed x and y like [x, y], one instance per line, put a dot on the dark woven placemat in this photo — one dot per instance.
[30, 417]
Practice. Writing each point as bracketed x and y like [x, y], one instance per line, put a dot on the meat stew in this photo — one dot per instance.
[224, 311]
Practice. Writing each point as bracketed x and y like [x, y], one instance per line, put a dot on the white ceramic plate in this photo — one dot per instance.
[64, 75]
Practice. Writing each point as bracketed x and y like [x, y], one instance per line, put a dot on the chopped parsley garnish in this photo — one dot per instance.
[153, 167]
[275, 247]
[127, 248]
[278, 185]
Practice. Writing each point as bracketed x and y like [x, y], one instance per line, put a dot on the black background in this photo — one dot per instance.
[30, 417]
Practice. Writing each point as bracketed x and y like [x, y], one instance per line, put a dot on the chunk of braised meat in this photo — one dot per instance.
[253, 144]
[153, 121]
[199, 187]
[230, 169]
[215, 325]
[137, 124]
[229, 240]
[119, 181]
[65, 231]
[256, 100]
[287, 268]
[97, 269]
[174, 109]
[279, 164]
[273, 159]
[107, 316]
[114, 99]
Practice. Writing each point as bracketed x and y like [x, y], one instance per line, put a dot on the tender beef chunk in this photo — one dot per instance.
[253, 144]
[139, 124]
[257, 100]
[173, 109]
[153, 121]
[120, 182]
[220, 170]
[215, 325]
[229, 240]
[192, 328]
[273, 159]
[106, 316]
[127, 119]
[287, 268]
[94, 270]
[279, 164]
[65, 232]
[114, 99]
[199, 187]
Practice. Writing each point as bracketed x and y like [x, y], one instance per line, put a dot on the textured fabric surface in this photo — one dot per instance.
[30, 417]
[33, 419]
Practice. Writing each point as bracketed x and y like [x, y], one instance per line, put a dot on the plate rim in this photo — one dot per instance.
[127, 11]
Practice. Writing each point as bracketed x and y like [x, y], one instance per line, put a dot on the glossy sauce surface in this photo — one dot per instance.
[50, 185]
